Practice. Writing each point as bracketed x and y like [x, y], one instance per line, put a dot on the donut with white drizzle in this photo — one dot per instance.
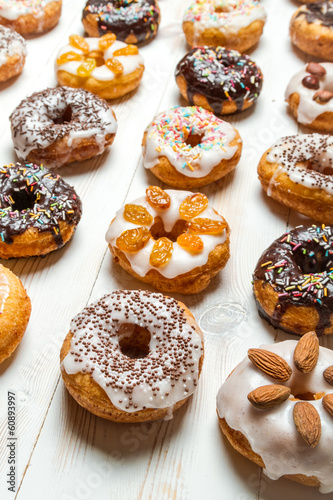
[62, 125]
[190, 147]
[297, 172]
[132, 356]
[13, 49]
[30, 17]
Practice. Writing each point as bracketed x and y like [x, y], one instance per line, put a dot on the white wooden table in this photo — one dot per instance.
[64, 452]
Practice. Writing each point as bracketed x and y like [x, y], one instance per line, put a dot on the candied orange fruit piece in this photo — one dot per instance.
[206, 226]
[157, 198]
[137, 214]
[130, 50]
[68, 57]
[133, 240]
[190, 242]
[161, 252]
[79, 42]
[86, 67]
[115, 66]
[106, 41]
[193, 206]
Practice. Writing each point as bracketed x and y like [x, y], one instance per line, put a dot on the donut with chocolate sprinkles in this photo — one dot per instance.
[39, 211]
[132, 356]
[13, 50]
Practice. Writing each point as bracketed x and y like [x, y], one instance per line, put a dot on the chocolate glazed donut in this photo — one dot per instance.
[132, 21]
[293, 281]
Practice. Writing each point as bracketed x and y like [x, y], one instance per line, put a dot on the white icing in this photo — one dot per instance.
[308, 109]
[13, 9]
[181, 261]
[11, 44]
[102, 73]
[272, 433]
[167, 134]
[95, 349]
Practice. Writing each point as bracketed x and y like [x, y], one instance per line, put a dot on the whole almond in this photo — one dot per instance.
[307, 422]
[328, 375]
[268, 396]
[307, 352]
[328, 403]
[316, 69]
[322, 96]
[270, 363]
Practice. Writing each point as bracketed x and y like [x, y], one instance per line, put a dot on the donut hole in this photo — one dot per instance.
[98, 56]
[317, 166]
[134, 341]
[219, 9]
[194, 140]
[65, 117]
[313, 262]
[23, 200]
[157, 230]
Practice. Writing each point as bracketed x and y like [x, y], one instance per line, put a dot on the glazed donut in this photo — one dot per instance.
[311, 29]
[133, 356]
[233, 24]
[62, 125]
[222, 81]
[190, 147]
[310, 98]
[172, 240]
[39, 211]
[13, 49]
[292, 282]
[276, 409]
[15, 309]
[104, 66]
[296, 171]
[30, 17]
[132, 22]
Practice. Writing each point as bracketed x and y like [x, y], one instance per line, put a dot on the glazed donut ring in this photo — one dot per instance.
[292, 281]
[147, 356]
[58, 126]
[311, 29]
[219, 80]
[276, 409]
[132, 22]
[15, 308]
[172, 240]
[30, 17]
[103, 66]
[296, 172]
[190, 147]
[39, 211]
[13, 49]
[310, 97]
[233, 24]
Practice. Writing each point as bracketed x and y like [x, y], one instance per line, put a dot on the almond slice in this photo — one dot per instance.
[328, 403]
[328, 375]
[268, 396]
[307, 352]
[308, 423]
[270, 363]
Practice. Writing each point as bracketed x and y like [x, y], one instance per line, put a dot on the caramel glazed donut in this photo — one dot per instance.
[132, 356]
[190, 147]
[30, 17]
[170, 239]
[296, 172]
[13, 49]
[276, 409]
[62, 125]
[310, 98]
[233, 24]
[311, 29]
[292, 282]
[104, 66]
[132, 21]
[222, 81]
[15, 309]
[39, 211]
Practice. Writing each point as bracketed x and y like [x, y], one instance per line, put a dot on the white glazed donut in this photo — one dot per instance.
[286, 430]
[190, 147]
[310, 96]
[62, 125]
[29, 17]
[13, 49]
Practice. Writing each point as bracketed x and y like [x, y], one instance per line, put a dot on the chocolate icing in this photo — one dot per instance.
[125, 17]
[305, 272]
[34, 197]
[220, 75]
[322, 12]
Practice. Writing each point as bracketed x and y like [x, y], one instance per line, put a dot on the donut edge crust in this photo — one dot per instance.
[323, 123]
[12, 67]
[313, 39]
[27, 25]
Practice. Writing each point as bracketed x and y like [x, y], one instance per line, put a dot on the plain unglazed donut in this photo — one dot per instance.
[30, 17]
[132, 356]
[13, 49]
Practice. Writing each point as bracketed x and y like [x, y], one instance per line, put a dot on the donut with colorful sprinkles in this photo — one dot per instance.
[233, 24]
[220, 80]
[30, 17]
[132, 21]
[13, 50]
[190, 147]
